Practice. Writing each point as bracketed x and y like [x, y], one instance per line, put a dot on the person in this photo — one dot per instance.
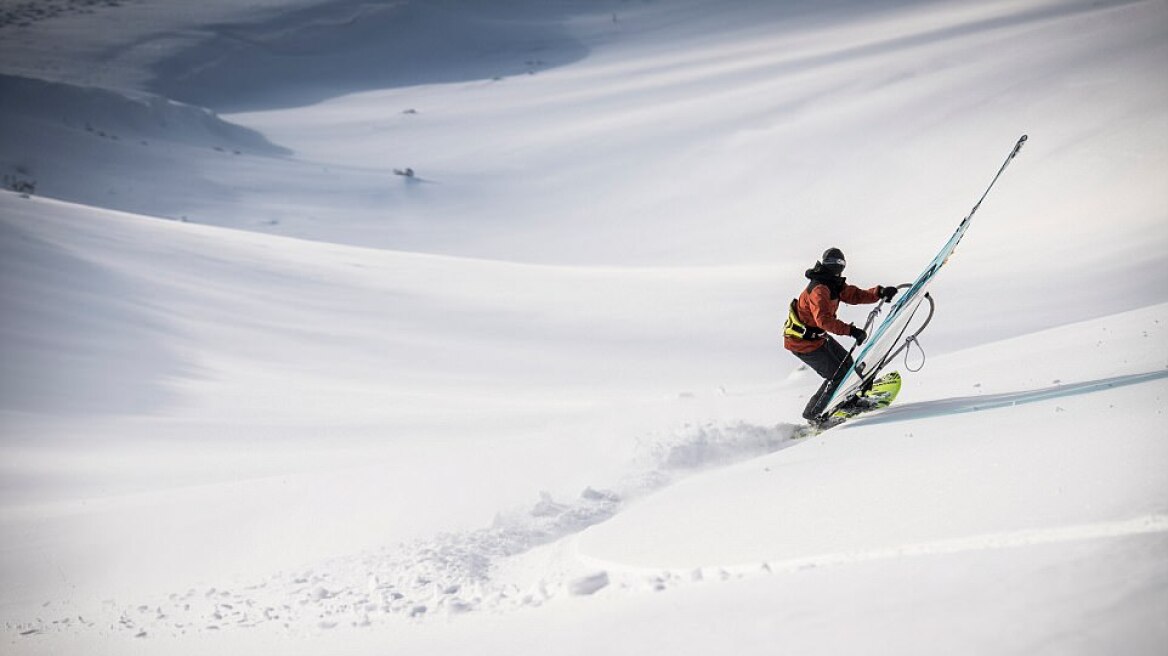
[812, 319]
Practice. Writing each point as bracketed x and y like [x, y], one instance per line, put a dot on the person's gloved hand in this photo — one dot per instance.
[858, 334]
[887, 293]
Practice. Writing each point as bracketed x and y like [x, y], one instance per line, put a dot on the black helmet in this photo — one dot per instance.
[833, 261]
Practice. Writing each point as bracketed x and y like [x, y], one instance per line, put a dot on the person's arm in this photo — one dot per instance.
[855, 296]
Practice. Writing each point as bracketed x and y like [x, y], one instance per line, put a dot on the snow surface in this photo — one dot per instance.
[261, 395]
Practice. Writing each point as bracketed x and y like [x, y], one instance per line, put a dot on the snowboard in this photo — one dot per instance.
[880, 395]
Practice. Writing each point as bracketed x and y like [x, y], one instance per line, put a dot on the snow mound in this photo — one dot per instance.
[72, 340]
[135, 152]
[28, 104]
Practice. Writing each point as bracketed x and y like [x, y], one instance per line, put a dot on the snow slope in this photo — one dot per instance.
[260, 395]
[985, 474]
[266, 356]
[905, 476]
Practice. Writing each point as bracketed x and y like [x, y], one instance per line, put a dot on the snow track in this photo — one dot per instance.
[1145, 525]
[521, 561]
[981, 402]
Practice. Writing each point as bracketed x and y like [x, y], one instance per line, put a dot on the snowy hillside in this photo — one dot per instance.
[262, 395]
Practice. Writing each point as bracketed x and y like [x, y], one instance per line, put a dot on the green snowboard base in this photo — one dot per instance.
[881, 395]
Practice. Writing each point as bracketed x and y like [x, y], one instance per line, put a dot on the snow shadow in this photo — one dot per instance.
[72, 338]
[965, 404]
[1022, 16]
[116, 115]
[303, 57]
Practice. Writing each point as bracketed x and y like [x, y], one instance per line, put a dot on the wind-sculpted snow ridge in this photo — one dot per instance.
[116, 149]
[493, 569]
[114, 115]
[23, 13]
[301, 57]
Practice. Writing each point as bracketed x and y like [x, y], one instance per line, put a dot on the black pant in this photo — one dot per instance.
[832, 362]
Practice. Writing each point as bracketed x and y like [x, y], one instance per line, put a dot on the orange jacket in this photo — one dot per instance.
[816, 308]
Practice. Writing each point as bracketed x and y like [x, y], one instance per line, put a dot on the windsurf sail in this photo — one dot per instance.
[887, 340]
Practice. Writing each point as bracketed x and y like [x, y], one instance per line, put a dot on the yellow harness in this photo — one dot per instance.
[796, 328]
